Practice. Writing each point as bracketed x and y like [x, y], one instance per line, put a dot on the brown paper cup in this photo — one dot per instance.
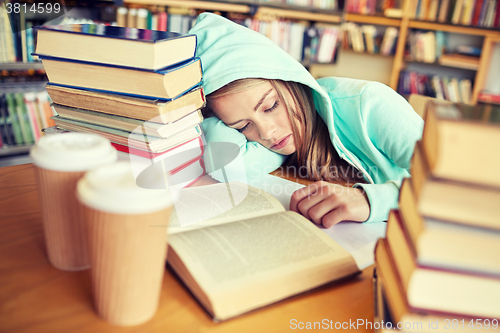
[61, 160]
[127, 255]
[126, 224]
[63, 223]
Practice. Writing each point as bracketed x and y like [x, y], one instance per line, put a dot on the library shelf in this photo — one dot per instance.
[489, 102]
[467, 66]
[458, 29]
[263, 9]
[351, 51]
[372, 19]
[206, 5]
[334, 17]
[20, 66]
[15, 150]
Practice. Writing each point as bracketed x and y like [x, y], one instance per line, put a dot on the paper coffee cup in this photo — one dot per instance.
[127, 241]
[61, 161]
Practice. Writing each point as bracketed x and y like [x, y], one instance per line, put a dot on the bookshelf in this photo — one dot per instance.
[22, 77]
[266, 10]
[20, 66]
[484, 65]
[392, 65]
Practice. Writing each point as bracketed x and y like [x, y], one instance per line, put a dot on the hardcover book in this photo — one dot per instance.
[129, 124]
[251, 253]
[140, 48]
[135, 140]
[167, 83]
[411, 320]
[148, 109]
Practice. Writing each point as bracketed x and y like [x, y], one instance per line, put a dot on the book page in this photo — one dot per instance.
[204, 206]
[247, 252]
[359, 239]
[282, 189]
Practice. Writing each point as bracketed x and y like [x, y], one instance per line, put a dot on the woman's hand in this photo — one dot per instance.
[328, 204]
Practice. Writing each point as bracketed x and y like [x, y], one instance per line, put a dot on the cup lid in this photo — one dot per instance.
[112, 188]
[72, 152]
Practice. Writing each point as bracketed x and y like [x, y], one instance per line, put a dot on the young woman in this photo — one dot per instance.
[335, 129]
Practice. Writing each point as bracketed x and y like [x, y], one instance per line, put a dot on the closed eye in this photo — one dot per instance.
[243, 128]
[272, 108]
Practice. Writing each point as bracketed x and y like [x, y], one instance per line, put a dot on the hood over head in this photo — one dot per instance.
[229, 52]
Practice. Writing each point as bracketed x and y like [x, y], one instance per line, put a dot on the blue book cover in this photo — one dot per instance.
[130, 47]
[125, 80]
[100, 30]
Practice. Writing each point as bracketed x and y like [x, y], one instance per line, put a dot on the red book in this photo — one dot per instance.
[477, 12]
[187, 174]
[487, 97]
[162, 21]
[413, 83]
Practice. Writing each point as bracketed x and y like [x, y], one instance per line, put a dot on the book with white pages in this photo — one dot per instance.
[237, 248]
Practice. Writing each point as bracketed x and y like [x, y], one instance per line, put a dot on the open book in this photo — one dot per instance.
[251, 252]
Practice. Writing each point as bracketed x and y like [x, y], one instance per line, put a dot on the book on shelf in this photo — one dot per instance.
[130, 47]
[401, 313]
[441, 87]
[24, 116]
[33, 115]
[167, 83]
[485, 96]
[136, 139]
[150, 128]
[14, 119]
[237, 264]
[6, 122]
[147, 109]
[459, 60]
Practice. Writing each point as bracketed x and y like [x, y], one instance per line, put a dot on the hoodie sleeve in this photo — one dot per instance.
[257, 160]
[393, 127]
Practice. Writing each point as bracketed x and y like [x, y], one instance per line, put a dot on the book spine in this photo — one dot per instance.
[24, 120]
[7, 121]
[34, 117]
[14, 117]
[477, 12]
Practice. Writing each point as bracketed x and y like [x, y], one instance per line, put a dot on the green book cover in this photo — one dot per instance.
[14, 118]
[24, 121]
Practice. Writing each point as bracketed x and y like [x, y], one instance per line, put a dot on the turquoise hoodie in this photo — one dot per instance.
[371, 126]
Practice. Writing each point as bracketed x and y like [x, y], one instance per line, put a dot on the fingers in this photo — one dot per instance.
[335, 216]
[301, 194]
[320, 209]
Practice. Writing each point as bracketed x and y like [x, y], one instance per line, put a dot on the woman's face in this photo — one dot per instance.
[260, 115]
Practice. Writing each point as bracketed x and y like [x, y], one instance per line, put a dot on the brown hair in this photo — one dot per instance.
[315, 151]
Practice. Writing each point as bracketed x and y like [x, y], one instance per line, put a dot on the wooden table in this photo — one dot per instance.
[36, 297]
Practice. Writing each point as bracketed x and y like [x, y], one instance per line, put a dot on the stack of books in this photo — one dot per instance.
[438, 267]
[138, 88]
